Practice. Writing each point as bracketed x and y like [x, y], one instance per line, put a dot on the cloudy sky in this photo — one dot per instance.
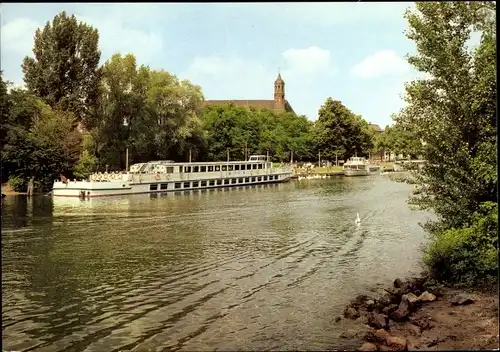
[352, 52]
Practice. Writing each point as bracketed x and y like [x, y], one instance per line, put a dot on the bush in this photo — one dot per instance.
[18, 184]
[468, 256]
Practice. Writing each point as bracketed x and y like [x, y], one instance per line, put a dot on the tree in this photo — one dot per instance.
[123, 112]
[64, 70]
[453, 112]
[339, 132]
[40, 142]
[175, 107]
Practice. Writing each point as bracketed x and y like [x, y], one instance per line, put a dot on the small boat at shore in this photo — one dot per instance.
[167, 176]
[359, 166]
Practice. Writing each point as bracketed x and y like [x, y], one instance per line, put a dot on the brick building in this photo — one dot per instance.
[278, 105]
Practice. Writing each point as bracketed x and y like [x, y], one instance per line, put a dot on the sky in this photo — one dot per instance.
[352, 52]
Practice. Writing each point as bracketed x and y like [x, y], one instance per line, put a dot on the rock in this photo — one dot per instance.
[348, 335]
[390, 308]
[370, 336]
[412, 298]
[461, 299]
[370, 305]
[398, 283]
[381, 335]
[416, 283]
[351, 313]
[403, 309]
[359, 301]
[378, 321]
[427, 297]
[385, 299]
[367, 346]
[422, 323]
[397, 343]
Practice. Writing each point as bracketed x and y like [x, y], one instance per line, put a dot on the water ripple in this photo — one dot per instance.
[256, 268]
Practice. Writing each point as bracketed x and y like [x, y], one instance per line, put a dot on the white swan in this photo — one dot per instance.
[358, 220]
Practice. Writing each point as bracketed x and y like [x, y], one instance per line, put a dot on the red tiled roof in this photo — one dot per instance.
[263, 104]
[376, 127]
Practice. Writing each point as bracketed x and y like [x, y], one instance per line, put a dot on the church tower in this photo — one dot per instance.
[279, 94]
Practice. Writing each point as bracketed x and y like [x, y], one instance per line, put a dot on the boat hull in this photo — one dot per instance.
[94, 189]
[360, 172]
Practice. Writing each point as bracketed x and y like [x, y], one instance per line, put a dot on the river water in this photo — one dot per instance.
[256, 268]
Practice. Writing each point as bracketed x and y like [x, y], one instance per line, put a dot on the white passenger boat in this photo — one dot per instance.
[358, 166]
[167, 176]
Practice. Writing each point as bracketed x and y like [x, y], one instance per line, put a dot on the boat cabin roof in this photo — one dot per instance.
[252, 158]
[357, 159]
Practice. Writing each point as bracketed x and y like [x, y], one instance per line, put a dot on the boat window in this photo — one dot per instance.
[217, 167]
[249, 166]
[203, 169]
[233, 181]
[153, 187]
[236, 168]
[265, 178]
[164, 186]
[226, 181]
[224, 168]
[212, 183]
[203, 183]
[219, 182]
[195, 184]
[196, 169]
[210, 168]
[180, 169]
[240, 180]
[259, 178]
[276, 177]
[247, 179]
[254, 166]
[170, 169]
[187, 169]
[186, 184]
[230, 168]
[253, 179]
[177, 185]
[259, 166]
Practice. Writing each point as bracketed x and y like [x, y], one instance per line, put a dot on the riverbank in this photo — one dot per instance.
[8, 191]
[412, 315]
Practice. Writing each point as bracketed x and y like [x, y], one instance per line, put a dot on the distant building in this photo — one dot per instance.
[376, 128]
[278, 105]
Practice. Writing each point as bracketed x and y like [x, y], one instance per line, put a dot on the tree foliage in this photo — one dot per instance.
[64, 71]
[453, 111]
[339, 132]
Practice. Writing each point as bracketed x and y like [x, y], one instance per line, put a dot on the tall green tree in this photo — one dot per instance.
[64, 71]
[453, 112]
[339, 132]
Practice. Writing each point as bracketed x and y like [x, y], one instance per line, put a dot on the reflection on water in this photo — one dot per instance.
[253, 268]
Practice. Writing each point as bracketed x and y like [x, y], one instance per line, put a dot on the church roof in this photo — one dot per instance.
[262, 104]
[376, 127]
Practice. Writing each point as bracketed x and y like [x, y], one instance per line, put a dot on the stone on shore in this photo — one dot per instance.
[403, 309]
[378, 321]
[427, 297]
[461, 299]
[351, 313]
[367, 346]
